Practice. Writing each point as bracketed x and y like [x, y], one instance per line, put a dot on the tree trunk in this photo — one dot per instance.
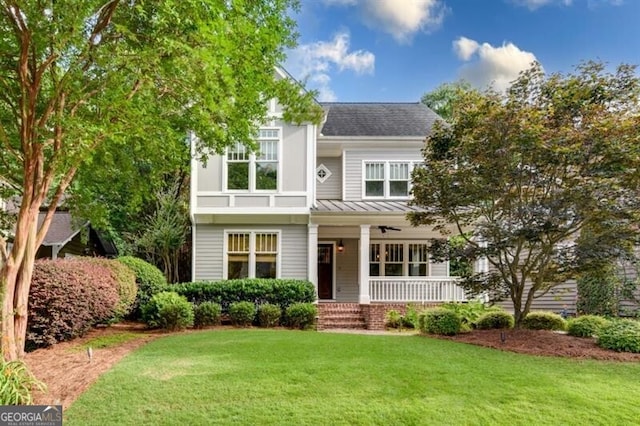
[23, 284]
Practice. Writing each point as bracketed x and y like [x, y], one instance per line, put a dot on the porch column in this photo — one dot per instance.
[363, 294]
[312, 260]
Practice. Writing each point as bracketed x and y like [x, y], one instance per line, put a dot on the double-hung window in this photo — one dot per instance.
[247, 171]
[394, 259]
[387, 179]
[252, 254]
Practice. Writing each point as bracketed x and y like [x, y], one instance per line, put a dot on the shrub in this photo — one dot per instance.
[125, 281]
[281, 292]
[440, 321]
[269, 315]
[470, 311]
[620, 335]
[544, 321]
[410, 318]
[206, 313]
[149, 279]
[393, 319]
[169, 311]
[17, 383]
[492, 320]
[242, 313]
[301, 315]
[67, 297]
[586, 325]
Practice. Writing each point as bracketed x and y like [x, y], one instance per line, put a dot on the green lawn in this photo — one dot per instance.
[260, 377]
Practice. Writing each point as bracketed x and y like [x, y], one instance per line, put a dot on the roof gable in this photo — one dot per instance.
[378, 119]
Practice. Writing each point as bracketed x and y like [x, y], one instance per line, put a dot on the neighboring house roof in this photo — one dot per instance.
[62, 229]
[357, 207]
[378, 119]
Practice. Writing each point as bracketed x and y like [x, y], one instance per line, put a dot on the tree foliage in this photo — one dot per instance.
[443, 98]
[527, 171]
[76, 76]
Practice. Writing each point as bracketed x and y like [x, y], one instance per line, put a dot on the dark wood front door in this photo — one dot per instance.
[325, 271]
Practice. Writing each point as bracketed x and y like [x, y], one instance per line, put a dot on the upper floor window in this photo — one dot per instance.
[387, 179]
[255, 171]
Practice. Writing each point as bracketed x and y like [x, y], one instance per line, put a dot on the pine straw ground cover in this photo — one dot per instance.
[254, 376]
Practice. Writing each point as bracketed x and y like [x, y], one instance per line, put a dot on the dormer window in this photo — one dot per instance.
[387, 179]
[254, 171]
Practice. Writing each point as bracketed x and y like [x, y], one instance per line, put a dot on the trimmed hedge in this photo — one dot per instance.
[242, 314]
[494, 320]
[620, 335]
[125, 281]
[169, 311]
[206, 313]
[269, 315]
[301, 315]
[67, 298]
[470, 311]
[150, 281]
[544, 321]
[586, 325]
[281, 292]
[440, 321]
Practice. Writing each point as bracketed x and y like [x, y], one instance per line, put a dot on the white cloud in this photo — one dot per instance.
[400, 18]
[465, 48]
[315, 61]
[494, 66]
[535, 4]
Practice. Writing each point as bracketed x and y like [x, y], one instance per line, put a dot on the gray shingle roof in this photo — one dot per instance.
[62, 228]
[378, 119]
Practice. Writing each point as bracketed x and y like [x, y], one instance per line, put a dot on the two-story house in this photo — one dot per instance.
[324, 203]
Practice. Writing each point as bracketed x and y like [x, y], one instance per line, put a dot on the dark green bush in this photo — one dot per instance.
[492, 320]
[169, 311]
[301, 315]
[66, 298]
[242, 313]
[586, 325]
[269, 315]
[470, 311]
[125, 281]
[544, 321]
[620, 335]
[393, 319]
[281, 292]
[149, 279]
[440, 321]
[206, 313]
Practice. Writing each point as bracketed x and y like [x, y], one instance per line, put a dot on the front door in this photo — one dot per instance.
[325, 271]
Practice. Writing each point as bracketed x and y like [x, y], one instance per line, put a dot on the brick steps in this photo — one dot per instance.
[340, 315]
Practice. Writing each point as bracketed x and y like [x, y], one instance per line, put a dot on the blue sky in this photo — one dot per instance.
[396, 50]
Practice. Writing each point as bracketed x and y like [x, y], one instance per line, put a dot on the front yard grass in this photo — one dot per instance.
[261, 377]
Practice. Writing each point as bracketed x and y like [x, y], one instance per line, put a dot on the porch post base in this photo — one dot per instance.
[364, 299]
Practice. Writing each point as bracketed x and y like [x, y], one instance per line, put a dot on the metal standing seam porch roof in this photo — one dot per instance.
[366, 207]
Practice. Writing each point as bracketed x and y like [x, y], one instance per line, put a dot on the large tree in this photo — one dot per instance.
[75, 75]
[520, 176]
[443, 98]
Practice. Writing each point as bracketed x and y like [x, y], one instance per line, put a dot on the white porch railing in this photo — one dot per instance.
[405, 289]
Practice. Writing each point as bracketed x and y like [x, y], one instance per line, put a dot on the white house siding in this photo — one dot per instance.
[440, 269]
[210, 176]
[294, 158]
[353, 166]
[346, 284]
[558, 299]
[209, 248]
[330, 189]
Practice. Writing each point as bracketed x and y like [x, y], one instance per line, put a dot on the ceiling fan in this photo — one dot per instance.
[384, 229]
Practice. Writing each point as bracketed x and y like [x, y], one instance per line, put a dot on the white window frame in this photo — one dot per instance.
[405, 257]
[253, 160]
[252, 250]
[386, 195]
